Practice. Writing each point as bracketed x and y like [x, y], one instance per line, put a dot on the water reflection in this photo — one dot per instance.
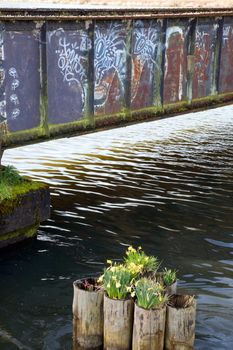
[165, 185]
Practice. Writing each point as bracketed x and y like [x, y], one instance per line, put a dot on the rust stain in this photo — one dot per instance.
[142, 91]
[226, 63]
[203, 60]
[175, 66]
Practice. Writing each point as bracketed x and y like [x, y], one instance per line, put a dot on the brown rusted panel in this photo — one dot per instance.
[110, 58]
[175, 71]
[146, 51]
[205, 42]
[226, 61]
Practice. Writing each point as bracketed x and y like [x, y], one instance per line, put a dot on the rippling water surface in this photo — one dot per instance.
[165, 185]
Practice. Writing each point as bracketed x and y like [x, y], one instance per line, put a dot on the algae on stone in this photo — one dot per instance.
[12, 187]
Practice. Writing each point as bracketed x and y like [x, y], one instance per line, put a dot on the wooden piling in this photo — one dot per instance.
[180, 323]
[169, 290]
[172, 289]
[118, 323]
[149, 328]
[87, 318]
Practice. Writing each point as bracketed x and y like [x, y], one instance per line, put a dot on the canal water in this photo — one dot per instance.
[165, 185]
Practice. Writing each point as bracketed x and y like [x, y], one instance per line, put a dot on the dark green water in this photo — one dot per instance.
[164, 185]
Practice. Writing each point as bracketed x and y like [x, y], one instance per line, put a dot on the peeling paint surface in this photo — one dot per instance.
[226, 62]
[175, 63]
[110, 56]
[60, 77]
[205, 42]
[146, 51]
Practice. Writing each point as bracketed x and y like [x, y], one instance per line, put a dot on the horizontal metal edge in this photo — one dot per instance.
[105, 13]
[40, 6]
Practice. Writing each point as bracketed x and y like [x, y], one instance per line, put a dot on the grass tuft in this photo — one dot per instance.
[12, 185]
[9, 177]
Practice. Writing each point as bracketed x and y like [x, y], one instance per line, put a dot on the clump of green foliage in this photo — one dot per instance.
[136, 260]
[9, 177]
[137, 276]
[169, 276]
[12, 186]
[149, 294]
[117, 280]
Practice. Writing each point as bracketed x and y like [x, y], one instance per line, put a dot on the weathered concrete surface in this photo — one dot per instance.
[21, 216]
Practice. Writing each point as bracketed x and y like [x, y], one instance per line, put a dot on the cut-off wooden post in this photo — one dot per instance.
[169, 290]
[180, 323]
[87, 318]
[118, 324]
[172, 289]
[149, 328]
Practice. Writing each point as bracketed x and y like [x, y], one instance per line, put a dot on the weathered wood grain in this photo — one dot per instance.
[118, 324]
[87, 318]
[149, 328]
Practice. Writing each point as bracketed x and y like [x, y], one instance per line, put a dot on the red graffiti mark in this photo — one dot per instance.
[137, 66]
[226, 64]
[113, 103]
[175, 68]
[108, 93]
[141, 89]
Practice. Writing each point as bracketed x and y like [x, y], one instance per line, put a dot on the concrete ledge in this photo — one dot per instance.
[17, 236]
[20, 216]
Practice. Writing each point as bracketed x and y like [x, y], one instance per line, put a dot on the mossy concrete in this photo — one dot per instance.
[18, 236]
[23, 211]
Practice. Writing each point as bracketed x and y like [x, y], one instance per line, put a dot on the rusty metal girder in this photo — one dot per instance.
[106, 13]
[68, 70]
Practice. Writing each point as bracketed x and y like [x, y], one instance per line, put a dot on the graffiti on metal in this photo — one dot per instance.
[226, 62]
[110, 67]
[56, 73]
[146, 51]
[22, 78]
[175, 62]
[13, 98]
[70, 60]
[205, 42]
[67, 61]
[2, 83]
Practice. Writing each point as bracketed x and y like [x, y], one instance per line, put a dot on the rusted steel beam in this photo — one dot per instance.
[70, 14]
[83, 69]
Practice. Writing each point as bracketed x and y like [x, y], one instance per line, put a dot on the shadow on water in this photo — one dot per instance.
[165, 185]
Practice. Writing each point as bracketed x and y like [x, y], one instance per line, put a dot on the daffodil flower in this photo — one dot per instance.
[100, 279]
[118, 285]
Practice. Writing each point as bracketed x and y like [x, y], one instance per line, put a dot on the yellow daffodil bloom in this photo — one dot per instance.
[118, 285]
[100, 279]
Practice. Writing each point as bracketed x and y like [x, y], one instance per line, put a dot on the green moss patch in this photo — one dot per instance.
[18, 235]
[12, 187]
